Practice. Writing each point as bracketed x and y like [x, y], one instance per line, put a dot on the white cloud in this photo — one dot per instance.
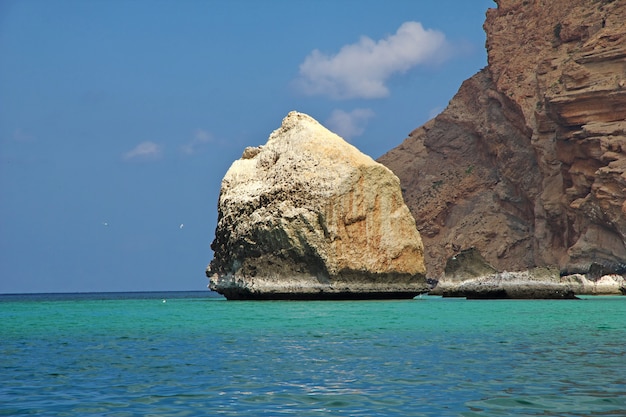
[349, 124]
[360, 70]
[145, 150]
[200, 137]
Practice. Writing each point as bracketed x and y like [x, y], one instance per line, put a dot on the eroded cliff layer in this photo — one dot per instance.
[308, 216]
[527, 164]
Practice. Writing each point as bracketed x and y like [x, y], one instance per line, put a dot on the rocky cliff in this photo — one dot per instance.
[527, 164]
[309, 216]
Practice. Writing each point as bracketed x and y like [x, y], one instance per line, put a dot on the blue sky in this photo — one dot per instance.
[118, 119]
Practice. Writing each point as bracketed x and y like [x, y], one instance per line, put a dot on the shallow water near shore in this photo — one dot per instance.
[187, 354]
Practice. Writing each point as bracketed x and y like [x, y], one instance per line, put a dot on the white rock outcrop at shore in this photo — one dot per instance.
[308, 216]
[468, 275]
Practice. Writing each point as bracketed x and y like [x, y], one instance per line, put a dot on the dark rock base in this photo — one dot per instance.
[502, 294]
[313, 296]
[350, 285]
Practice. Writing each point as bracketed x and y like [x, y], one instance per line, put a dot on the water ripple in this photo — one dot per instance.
[428, 358]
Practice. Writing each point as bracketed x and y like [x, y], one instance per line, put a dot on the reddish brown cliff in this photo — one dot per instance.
[527, 164]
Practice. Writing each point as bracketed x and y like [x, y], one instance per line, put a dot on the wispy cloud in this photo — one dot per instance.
[360, 70]
[349, 124]
[20, 135]
[200, 137]
[145, 150]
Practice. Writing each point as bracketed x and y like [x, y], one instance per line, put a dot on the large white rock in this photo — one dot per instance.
[307, 215]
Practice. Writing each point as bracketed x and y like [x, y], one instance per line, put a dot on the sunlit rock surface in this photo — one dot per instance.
[308, 216]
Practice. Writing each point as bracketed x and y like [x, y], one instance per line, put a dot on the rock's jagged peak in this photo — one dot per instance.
[307, 134]
[295, 123]
[301, 153]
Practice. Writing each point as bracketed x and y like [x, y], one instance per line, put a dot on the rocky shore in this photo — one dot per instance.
[531, 285]
[469, 275]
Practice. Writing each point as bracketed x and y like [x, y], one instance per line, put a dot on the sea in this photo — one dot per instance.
[196, 354]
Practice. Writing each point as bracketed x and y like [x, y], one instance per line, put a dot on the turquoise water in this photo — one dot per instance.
[135, 355]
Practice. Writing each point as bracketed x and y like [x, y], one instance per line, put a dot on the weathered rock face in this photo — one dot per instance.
[528, 162]
[536, 283]
[308, 216]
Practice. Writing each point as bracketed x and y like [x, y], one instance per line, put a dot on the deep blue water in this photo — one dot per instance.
[134, 355]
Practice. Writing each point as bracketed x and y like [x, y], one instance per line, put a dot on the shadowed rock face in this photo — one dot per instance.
[527, 164]
[308, 216]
